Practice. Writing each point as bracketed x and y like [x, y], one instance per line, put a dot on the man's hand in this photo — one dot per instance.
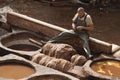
[80, 27]
[74, 28]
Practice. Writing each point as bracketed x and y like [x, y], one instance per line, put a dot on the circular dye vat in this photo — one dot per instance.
[15, 70]
[50, 77]
[18, 42]
[24, 47]
[107, 67]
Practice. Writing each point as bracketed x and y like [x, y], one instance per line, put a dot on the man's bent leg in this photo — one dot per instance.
[64, 35]
[85, 38]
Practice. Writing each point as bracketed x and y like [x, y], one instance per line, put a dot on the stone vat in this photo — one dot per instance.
[103, 69]
[15, 69]
[18, 42]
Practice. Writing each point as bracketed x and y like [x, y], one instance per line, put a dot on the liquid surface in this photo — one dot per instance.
[24, 47]
[15, 71]
[109, 68]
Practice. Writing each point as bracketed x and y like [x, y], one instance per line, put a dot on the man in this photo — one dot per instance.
[81, 24]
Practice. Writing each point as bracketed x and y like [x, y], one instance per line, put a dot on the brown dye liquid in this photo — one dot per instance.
[50, 77]
[15, 71]
[24, 47]
[109, 68]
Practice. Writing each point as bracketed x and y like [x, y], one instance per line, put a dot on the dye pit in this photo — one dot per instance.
[19, 43]
[15, 71]
[107, 67]
[50, 77]
[24, 47]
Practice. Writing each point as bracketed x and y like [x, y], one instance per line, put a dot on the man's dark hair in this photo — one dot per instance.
[80, 8]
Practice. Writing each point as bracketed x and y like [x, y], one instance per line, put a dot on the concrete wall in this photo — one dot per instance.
[33, 24]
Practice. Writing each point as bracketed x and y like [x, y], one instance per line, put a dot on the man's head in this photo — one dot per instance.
[81, 11]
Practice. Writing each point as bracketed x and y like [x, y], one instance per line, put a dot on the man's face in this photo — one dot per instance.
[81, 13]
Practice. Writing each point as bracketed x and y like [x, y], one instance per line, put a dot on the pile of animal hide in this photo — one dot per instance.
[58, 64]
[59, 50]
[63, 51]
[59, 56]
[78, 59]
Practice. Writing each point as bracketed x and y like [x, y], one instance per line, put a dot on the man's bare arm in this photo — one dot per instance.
[73, 21]
[88, 28]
